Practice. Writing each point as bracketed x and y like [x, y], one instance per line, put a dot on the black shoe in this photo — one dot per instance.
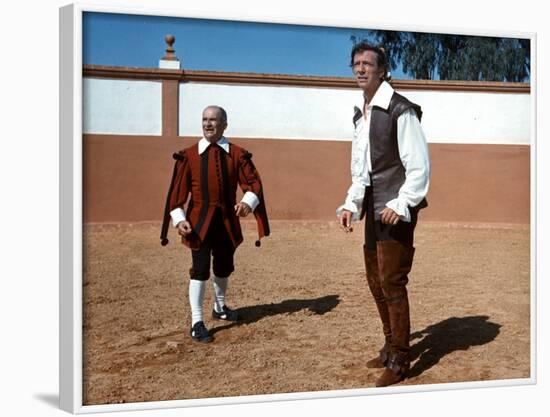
[227, 314]
[200, 333]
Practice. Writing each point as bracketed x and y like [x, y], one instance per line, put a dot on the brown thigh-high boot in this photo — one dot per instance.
[394, 263]
[373, 279]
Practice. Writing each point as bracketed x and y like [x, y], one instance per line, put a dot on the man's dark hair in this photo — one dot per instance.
[381, 59]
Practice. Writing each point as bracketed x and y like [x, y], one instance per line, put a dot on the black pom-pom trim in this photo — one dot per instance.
[164, 242]
[258, 243]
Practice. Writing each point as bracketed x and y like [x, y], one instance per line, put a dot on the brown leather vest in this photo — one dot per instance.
[388, 173]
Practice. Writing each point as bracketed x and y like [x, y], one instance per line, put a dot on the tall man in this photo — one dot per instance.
[209, 172]
[390, 170]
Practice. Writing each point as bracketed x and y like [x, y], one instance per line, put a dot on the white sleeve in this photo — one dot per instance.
[414, 154]
[178, 215]
[251, 200]
[354, 200]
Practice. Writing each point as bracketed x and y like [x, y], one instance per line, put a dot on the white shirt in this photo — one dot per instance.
[413, 151]
[251, 199]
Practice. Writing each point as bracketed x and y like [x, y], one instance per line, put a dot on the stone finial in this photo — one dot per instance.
[170, 52]
[170, 60]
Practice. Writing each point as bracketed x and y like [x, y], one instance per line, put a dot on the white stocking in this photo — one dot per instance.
[196, 298]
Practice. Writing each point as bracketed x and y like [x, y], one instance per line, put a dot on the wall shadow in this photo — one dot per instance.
[252, 314]
[454, 333]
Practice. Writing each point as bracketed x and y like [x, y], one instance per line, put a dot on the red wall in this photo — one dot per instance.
[126, 178]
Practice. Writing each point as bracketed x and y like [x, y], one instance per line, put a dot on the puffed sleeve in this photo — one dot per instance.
[178, 191]
[249, 177]
[251, 184]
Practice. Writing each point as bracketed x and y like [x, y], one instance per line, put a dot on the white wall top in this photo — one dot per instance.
[326, 114]
[134, 107]
[126, 107]
[474, 117]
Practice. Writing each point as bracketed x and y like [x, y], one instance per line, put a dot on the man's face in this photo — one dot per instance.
[212, 124]
[367, 72]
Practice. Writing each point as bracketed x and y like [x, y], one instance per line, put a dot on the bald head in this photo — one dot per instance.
[221, 112]
[214, 123]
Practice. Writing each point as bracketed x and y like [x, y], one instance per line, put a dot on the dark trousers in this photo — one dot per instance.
[216, 245]
[375, 230]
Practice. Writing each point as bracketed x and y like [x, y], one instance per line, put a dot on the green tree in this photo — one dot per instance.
[453, 57]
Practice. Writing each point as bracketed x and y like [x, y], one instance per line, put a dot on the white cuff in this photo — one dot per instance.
[401, 208]
[350, 207]
[251, 200]
[178, 215]
[354, 201]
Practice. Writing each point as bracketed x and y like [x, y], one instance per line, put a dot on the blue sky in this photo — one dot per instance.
[220, 45]
[217, 45]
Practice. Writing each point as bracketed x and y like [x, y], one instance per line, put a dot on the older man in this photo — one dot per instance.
[390, 170]
[209, 172]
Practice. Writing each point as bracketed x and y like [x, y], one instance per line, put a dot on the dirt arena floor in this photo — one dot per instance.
[309, 323]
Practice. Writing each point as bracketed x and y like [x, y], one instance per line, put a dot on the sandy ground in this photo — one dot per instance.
[309, 323]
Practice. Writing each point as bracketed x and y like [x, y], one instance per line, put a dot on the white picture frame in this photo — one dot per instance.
[71, 222]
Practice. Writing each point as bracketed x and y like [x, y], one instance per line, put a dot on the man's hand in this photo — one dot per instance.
[345, 221]
[184, 228]
[388, 216]
[242, 209]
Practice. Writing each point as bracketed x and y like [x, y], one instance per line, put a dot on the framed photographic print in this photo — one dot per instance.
[262, 210]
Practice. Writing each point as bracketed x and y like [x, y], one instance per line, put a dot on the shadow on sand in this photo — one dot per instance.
[252, 314]
[454, 333]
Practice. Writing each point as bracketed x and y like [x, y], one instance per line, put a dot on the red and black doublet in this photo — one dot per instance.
[207, 184]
